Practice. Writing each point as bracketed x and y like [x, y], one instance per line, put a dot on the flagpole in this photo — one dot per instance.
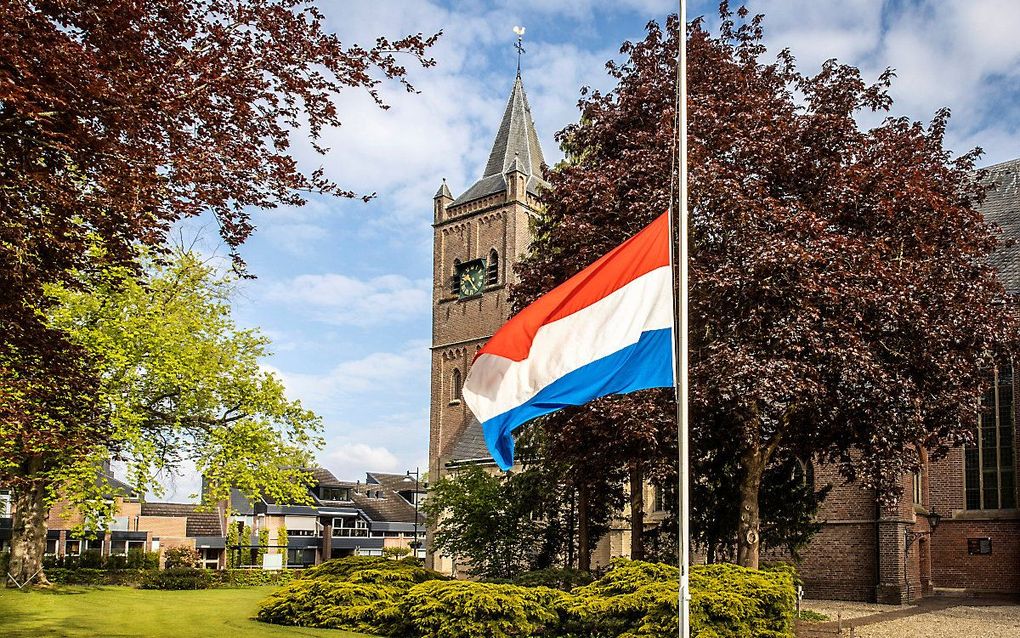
[678, 243]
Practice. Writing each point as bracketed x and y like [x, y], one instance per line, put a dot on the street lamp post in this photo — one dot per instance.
[417, 476]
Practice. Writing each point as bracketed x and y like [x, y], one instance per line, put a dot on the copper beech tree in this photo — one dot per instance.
[841, 304]
[117, 120]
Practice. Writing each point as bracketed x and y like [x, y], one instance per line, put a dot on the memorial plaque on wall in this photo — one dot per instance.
[979, 546]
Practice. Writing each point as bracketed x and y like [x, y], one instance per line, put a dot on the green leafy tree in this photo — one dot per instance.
[490, 522]
[117, 120]
[282, 541]
[247, 549]
[233, 552]
[263, 548]
[182, 386]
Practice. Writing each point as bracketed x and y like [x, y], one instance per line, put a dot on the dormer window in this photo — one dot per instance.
[335, 493]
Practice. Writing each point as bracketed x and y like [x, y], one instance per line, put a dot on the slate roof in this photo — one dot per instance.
[391, 508]
[470, 444]
[199, 523]
[396, 482]
[516, 141]
[1001, 206]
[324, 477]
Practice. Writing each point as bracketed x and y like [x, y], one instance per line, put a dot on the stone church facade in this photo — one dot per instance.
[957, 526]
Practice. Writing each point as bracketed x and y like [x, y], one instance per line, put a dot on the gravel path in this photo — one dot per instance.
[958, 622]
[932, 618]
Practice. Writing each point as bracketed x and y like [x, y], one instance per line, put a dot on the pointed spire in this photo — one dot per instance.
[515, 166]
[516, 145]
[516, 136]
[444, 191]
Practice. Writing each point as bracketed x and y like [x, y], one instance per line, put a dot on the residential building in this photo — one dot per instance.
[342, 518]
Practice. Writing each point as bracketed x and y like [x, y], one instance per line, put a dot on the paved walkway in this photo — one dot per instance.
[934, 605]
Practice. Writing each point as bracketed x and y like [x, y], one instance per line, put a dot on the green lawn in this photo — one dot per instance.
[112, 612]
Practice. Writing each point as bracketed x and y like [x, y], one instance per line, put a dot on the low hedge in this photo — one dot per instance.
[253, 577]
[177, 578]
[96, 577]
[633, 600]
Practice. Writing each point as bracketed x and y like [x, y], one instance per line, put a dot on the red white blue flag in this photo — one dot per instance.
[607, 330]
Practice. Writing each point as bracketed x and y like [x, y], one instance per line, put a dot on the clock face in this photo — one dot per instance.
[472, 278]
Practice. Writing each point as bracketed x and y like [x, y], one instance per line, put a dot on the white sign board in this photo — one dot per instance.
[272, 562]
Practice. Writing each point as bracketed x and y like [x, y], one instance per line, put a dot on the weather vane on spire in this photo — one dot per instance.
[519, 46]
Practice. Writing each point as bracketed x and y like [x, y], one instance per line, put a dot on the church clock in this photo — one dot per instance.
[471, 278]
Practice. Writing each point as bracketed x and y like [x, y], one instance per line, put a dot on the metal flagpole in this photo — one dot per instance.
[678, 244]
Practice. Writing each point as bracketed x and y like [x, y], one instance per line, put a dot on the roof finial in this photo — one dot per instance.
[519, 46]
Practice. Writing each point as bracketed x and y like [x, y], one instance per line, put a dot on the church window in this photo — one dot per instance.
[659, 500]
[455, 278]
[918, 492]
[457, 386]
[990, 472]
[492, 271]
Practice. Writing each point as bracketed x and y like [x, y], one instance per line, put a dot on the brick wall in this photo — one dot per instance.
[998, 572]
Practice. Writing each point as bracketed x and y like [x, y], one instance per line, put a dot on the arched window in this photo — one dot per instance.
[454, 279]
[492, 274]
[457, 386]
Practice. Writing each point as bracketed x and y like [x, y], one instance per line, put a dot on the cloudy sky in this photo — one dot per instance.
[343, 287]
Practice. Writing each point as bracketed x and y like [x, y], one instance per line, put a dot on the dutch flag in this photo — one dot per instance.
[607, 330]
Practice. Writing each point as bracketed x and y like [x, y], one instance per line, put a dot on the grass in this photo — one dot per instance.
[116, 612]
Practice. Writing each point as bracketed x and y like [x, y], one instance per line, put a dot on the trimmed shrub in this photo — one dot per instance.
[177, 578]
[554, 577]
[253, 577]
[358, 593]
[639, 600]
[175, 557]
[731, 601]
[96, 577]
[633, 599]
[463, 609]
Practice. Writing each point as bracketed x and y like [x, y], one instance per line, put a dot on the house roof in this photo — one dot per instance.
[1001, 206]
[199, 523]
[396, 482]
[516, 147]
[389, 507]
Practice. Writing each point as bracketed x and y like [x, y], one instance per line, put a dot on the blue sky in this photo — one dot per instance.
[344, 288]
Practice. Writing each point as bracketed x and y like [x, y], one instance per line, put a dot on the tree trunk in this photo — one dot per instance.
[637, 512]
[28, 535]
[752, 463]
[583, 528]
[571, 529]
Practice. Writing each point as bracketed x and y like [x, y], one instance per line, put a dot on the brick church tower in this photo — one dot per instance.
[478, 236]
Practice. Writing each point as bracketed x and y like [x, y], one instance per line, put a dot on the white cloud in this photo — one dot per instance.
[344, 300]
[385, 376]
[351, 459]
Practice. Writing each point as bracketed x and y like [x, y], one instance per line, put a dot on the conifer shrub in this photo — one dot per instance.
[633, 599]
[732, 601]
[357, 593]
[463, 609]
[555, 577]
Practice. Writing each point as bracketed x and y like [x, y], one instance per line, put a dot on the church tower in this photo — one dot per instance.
[478, 236]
